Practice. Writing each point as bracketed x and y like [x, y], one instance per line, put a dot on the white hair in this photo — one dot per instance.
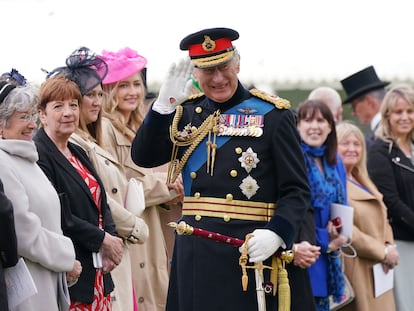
[330, 97]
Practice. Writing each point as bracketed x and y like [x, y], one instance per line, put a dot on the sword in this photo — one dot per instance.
[261, 299]
[182, 228]
[258, 273]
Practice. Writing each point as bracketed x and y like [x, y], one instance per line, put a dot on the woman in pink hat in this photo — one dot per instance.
[125, 89]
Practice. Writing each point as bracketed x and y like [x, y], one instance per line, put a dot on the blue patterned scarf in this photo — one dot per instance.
[324, 191]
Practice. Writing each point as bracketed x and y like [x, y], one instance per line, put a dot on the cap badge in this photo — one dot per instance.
[208, 44]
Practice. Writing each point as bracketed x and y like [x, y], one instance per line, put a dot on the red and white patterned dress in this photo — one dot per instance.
[100, 302]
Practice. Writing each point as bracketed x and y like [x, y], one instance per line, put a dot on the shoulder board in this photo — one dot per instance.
[193, 96]
[279, 102]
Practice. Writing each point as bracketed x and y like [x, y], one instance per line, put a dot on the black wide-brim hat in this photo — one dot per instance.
[361, 83]
[210, 47]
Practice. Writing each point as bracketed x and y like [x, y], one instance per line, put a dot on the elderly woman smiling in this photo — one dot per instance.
[91, 226]
[47, 252]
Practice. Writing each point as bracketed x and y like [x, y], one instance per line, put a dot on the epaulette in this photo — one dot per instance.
[279, 102]
[192, 97]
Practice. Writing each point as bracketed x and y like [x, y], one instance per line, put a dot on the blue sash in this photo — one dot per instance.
[199, 155]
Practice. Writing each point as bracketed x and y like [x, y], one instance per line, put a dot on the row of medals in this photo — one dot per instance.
[241, 125]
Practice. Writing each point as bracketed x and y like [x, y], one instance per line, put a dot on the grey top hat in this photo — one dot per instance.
[361, 83]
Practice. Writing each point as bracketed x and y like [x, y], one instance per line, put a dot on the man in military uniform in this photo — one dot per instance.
[239, 155]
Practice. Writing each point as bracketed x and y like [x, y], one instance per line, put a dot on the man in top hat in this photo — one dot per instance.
[239, 155]
[365, 91]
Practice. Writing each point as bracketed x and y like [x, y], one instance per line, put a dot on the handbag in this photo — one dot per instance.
[349, 294]
[348, 297]
[134, 198]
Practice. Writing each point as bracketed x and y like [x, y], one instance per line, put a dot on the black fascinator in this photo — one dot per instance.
[15, 77]
[84, 68]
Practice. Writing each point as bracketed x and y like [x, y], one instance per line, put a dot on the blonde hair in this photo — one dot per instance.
[359, 171]
[399, 91]
[111, 111]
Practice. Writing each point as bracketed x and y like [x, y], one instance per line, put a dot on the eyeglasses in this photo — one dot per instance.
[27, 117]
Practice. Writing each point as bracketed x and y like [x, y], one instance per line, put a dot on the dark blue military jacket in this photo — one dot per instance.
[251, 166]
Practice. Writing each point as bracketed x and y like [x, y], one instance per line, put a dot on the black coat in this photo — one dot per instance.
[298, 277]
[206, 275]
[81, 218]
[393, 174]
[369, 139]
[8, 244]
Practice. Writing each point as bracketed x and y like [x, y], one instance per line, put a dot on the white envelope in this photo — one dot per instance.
[346, 213]
[19, 283]
[134, 198]
[383, 282]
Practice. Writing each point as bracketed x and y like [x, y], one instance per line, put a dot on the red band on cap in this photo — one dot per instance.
[220, 45]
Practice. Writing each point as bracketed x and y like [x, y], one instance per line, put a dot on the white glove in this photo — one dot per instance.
[263, 244]
[176, 88]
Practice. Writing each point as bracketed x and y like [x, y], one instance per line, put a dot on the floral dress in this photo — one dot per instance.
[100, 302]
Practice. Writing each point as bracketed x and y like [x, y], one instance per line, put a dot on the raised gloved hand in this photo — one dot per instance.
[176, 88]
[263, 244]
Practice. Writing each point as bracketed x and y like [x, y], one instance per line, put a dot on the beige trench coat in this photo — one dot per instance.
[115, 182]
[370, 233]
[150, 264]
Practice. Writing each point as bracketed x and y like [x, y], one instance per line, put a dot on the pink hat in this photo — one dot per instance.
[122, 64]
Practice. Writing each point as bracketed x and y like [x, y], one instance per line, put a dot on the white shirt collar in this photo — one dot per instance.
[375, 121]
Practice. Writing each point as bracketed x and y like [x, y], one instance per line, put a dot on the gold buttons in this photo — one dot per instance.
[198, 109]
[229, 197]
[238, 150]
[197, 217]
[226, 218]
[233, 173]
[197, 195]
[193, 175]
[193, 129]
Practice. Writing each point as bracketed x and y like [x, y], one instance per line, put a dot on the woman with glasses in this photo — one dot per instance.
[48, 254]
